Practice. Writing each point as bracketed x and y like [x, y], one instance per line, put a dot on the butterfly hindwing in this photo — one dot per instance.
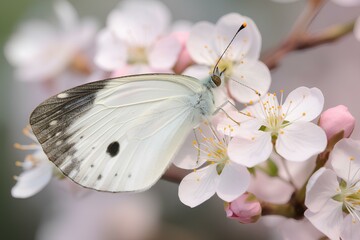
[118, 134]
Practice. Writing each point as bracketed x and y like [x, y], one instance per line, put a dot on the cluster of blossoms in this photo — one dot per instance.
[229, 155]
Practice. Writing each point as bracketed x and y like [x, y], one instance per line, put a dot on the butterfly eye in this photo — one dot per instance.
[216, 80]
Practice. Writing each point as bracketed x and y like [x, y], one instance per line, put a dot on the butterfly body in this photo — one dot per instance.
[120, 134]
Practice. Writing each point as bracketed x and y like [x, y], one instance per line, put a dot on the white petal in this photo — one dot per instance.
[247, 44]
[303, 104]
[257, 110]
[345, 159]
[201, 44]
[270, 189]
[350, 228]
[248, 78]
[164, 53]
[233, 182]
[139, 23]
[322, 186]
[28, 42]
[300, 140]
[85, 34]
[197, 71]
[328, 220]
[67, 15]
[251, 149]
[32, 181]
[187, 156]
[111, 52]
[199, 186]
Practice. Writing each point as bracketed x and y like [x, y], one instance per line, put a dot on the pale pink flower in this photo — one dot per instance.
[245, 209]
[135, 39]
[332, 196]
[37, 170]
[219, 175]
[285, 128]
[244, 75]
[337, 119]
[40, 51]
[184, 59]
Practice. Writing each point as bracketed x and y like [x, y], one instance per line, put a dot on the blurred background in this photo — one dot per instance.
[334, 68]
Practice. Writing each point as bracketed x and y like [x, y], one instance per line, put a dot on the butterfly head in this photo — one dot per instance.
[216, 74]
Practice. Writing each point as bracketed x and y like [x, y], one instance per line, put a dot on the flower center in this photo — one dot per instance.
[350, 197]
[137, 55]
[225, 65]
[213, 151]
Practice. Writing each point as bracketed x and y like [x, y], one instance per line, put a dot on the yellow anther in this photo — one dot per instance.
[351, 158]
[304, 113]
[281, 132]
[253, 138]
[251, 102]
[18, 164]
[282, 90]
[194, 142]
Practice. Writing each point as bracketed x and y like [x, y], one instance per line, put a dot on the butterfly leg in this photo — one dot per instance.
[198, 146]
[220, 108]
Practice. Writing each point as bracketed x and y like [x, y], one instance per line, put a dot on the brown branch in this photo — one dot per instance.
[299, 39]
[174, 174]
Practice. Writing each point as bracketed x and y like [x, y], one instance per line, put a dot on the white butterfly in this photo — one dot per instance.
[121, 134]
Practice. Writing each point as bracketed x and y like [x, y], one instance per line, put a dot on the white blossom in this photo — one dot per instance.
[333, 195]
[284, 127]
[245, 76]
[40, 51]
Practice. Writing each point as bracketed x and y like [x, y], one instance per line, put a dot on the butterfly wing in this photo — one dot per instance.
[119, 134]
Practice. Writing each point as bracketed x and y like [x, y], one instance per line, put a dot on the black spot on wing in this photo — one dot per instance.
[113, 149]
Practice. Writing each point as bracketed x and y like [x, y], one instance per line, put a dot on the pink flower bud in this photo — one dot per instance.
[337, 119]
[245, 209]
[184, 59]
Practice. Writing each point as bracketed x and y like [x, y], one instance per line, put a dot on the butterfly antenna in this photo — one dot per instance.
[216, 70]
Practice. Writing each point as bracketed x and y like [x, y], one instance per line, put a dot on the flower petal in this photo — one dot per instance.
[234, 180]
[164, 53]
[198, 186]
[350, 228]
[300, 140]
[322, 186]
[201, 44]
[345, 159]
[67, 15]
[197, 71]
[251, 148]
[329, 219]
[32, 181]
[249, 79]
[28, 42]
[139, 23]
[303, 104]
[246, 44]
[111, 52]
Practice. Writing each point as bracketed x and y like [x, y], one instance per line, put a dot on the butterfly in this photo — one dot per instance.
[120, 134]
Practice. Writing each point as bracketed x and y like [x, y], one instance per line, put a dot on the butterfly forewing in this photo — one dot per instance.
[120, 134]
